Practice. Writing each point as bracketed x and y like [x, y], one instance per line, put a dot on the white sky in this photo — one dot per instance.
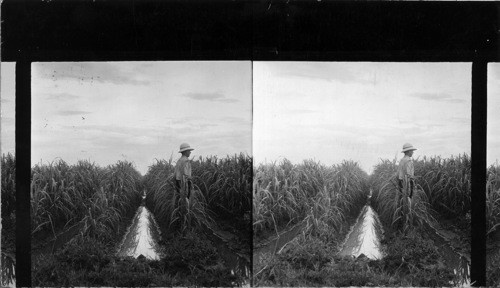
[7, 107]
[138, 111]
[493, 116]
[333, 111]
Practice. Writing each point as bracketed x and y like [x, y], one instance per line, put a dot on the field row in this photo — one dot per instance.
[327, 200]
[234, 199]
[81, 212]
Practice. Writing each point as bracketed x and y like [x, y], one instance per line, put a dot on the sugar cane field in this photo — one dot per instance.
[111, 226]
[318, 225]
[308, 225]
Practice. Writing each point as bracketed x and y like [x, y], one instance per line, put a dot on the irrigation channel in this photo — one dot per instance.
[364, 238]
[143, 235]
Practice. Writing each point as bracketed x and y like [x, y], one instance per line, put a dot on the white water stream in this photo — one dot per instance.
[363, 237]
[141, 237]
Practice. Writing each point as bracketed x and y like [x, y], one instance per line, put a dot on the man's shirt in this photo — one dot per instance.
[406, 168]
[183, 169]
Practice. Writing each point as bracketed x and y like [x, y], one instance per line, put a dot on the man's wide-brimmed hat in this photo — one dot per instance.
[408, 147]
[185, 147]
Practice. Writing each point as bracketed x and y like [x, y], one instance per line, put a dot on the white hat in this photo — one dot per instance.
[408, 147]
[185, 147]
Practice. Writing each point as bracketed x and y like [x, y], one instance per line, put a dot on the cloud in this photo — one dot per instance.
[190, 123]
[224, 142]
[72, 112]
[206, 125]
[104, 137]
[89, 72]
[302, 111]
[461, 120]
[142, 140]
[495, 70]
[216, 97]
[444, 97]
[236, 120]
[8, 120]
[424, 125]
[113, 129]
[61, 96]
[318, 71]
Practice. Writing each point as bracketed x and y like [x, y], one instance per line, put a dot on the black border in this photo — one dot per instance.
[148, 30]
[478, 171]
[23, 172]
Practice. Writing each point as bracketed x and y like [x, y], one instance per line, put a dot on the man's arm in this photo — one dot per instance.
[187, 174]
[177, 178]
[410, 171]
[400, 175]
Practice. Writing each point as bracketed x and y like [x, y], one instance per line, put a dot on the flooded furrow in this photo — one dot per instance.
[277, 243]
[364, 236]
[142, 237]
[459, 263]
[238, 261]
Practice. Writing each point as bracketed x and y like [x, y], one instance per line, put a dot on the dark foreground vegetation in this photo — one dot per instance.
[218, 209]
[8, 253]
[189, 261]
[311, 261]
[441, 198]
[493, 221]
[81, 212]
[286, 193]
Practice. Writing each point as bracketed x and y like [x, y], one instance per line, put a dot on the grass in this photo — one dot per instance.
[442, 191]
[393, 207]
[221, 191]
[62, 195]
[226, 184]
[99, 199]
[493, 268]
[310, 261]
[493, 199]
[493, 226]
[326, 197]
[174, 213]
[102, 199]
[447, 184]
[284, 194]
[8, 170]
[329, 198]
[190, 261]
[220, 195]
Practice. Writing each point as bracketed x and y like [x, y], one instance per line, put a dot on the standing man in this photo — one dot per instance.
[406, 171]
[183, 170]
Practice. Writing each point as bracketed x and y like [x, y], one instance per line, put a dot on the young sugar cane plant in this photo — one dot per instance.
[446, 182]
[225, 184]
[343, 194]
[172, 211]
[98, 198]
[8, 170]
[493, 225]
[395, 208]
[493, 199]
[286, 194]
